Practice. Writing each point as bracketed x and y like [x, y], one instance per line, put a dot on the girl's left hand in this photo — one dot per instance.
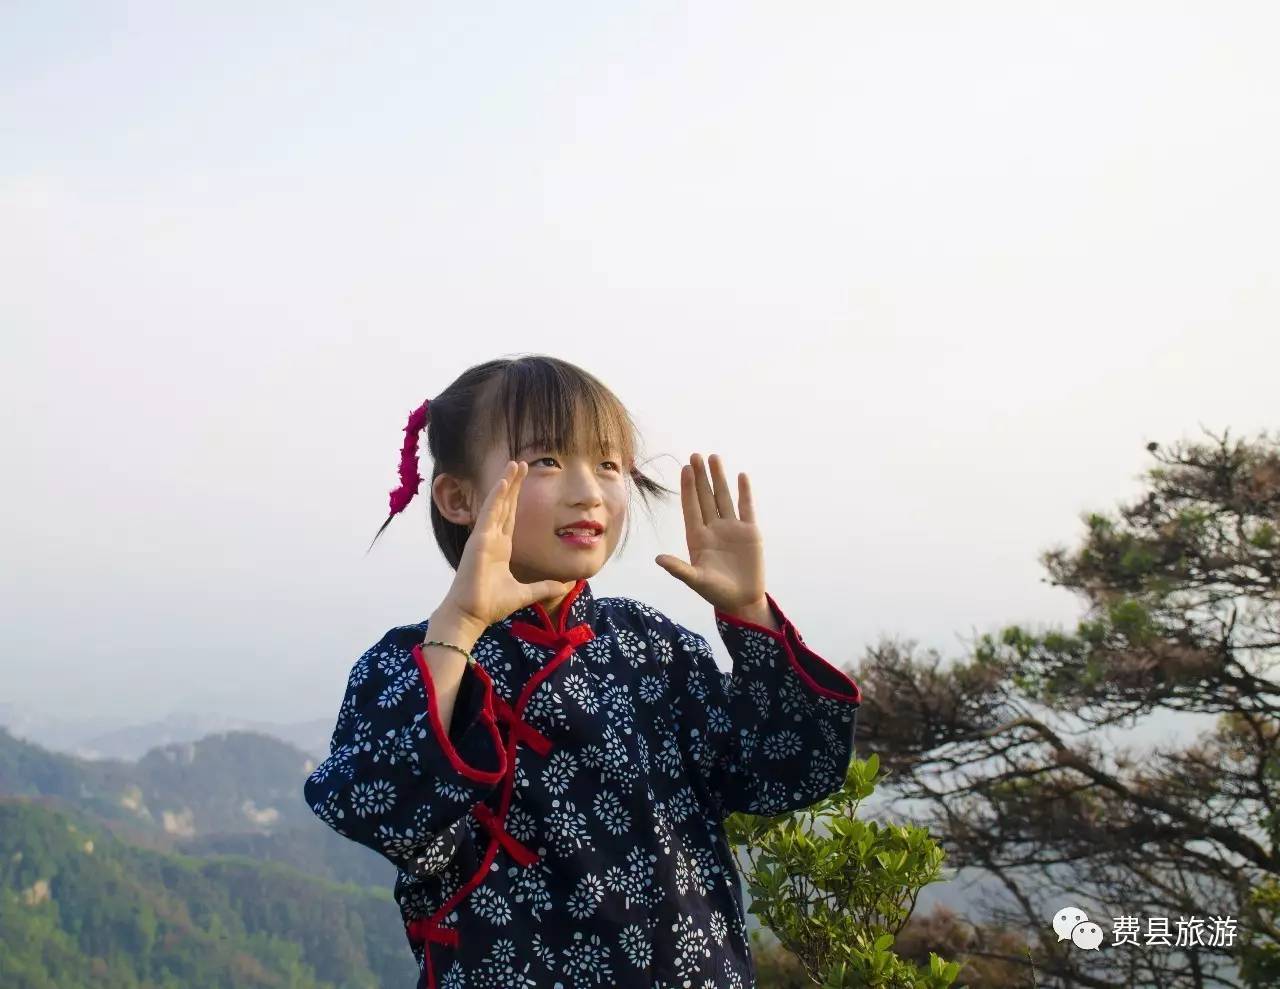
[726, 551]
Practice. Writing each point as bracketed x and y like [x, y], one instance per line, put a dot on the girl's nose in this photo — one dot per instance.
[584, 488]
[588, 495]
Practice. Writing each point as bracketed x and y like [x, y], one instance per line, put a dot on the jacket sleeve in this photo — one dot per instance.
[773, 735]
[394, 780]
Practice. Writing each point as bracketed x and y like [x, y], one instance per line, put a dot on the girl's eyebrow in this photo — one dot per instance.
[534, 447]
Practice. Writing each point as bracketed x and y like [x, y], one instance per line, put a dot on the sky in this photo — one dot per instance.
[931, 276]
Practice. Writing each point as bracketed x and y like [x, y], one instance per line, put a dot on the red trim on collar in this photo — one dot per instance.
[558, 641]
[545, 617]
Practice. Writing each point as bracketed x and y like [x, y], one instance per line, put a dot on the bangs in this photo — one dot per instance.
[557, 407]
[532, 399]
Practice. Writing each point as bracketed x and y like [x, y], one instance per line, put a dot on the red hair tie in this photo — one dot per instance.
[410, 479]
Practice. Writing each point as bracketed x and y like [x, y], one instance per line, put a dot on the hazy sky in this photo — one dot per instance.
[932, 274]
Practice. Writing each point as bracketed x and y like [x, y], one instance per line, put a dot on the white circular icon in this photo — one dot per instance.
[1065, 919]
[1087, 935]
[1072, 924]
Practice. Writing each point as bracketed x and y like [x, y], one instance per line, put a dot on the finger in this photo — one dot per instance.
[689, 502]
[706, 501]
[676, 567]
[546, 588]
[511, 472]
[746, 507]
[513, 497]
[491, 511]
[724, 501]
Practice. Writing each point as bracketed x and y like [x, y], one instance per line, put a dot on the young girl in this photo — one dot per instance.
[550, 771]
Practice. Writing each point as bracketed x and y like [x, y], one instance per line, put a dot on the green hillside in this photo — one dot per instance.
[236, 793]
[229, 782]
[315, 850]
[80, 908]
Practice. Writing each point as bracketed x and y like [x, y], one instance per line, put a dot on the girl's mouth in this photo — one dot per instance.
[579, 537]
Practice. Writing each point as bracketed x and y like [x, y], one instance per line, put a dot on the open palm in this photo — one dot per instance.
[484, 590]
[726, 550]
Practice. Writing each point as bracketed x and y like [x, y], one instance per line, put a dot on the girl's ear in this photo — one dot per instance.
[452, 498]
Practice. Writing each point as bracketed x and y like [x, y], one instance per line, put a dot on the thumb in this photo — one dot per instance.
[546, 588]
[676, 567]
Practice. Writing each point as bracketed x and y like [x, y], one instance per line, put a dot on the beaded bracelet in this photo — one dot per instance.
[449, 645]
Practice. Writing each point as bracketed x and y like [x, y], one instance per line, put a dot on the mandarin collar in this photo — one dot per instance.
[578, 608]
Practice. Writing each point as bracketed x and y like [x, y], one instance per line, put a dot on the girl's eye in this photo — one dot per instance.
[611, 463]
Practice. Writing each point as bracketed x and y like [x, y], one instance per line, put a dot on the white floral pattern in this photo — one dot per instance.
[649, 746]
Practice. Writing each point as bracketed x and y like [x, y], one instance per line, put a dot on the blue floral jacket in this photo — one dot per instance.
[567, 830]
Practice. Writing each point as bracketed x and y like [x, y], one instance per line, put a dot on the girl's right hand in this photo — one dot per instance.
[484, 590]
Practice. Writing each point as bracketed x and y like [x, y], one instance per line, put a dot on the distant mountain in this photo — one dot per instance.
[131, 742]
[80, 909]
[115, 738]
[54, 732]
[227, 782]
[231, 793]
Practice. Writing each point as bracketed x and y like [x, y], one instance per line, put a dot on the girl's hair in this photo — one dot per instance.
[535, 399]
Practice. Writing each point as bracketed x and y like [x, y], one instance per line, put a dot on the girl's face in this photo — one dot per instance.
[561, 489]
